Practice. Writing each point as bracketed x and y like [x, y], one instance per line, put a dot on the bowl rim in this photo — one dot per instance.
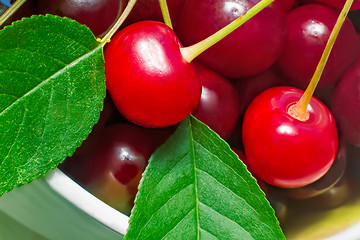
[88, 203]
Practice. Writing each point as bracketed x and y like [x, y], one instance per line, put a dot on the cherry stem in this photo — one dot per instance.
[191, 52]
[299, 110]
[10, 11]
[118, 22]
[165, 13]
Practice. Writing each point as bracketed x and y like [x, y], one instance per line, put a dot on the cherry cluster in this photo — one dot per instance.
[243, 88]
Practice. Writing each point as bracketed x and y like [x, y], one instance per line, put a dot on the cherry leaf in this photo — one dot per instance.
[195, 187]
[52, 87]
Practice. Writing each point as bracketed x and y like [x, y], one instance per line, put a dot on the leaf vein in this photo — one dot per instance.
[14, 142]
[251, 207]
[222, 162]
[157, 210]
[73, 63]
[182, 219]
[43, 54]
[46, 119]
[195, 182]
[162, 177]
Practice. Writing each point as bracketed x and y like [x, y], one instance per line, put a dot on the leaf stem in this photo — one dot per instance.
[299, 110]
[10, 11]
[165, 13]
[118, 22]
[191, 52]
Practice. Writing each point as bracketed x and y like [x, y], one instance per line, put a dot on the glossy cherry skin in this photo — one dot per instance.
[121, 150]
[98, 15]
[248, 50]
[346, 105]
[219, 103]
[150, 82]
[282, 150]
[309, 28]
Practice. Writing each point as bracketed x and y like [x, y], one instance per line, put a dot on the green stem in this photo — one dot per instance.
[10, 11]
[300, 108]
[191, 52]
[118, 22]
[165, 13]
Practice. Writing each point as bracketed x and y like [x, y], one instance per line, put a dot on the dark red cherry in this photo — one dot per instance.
[150, 82]
[309, 28]
[346, 105]
[247, 51]
[249, 88]
[98, 15]
[282, 150]
[121, 150]
[219, 102]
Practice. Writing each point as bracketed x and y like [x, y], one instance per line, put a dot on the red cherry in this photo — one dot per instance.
[98, 15]
[219, 102]
[248, 50]
[121, 150]
[249, 88]
[282, 150]
[346, 104]
[150, 82]
[309, 28]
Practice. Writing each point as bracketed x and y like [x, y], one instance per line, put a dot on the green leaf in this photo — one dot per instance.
[52, 87]
[195, 187]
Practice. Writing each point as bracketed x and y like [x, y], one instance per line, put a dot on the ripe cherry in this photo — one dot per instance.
[346, 105]
[309, 28]
[249, 50]
[149, 75]
[219, 102]
[282, 150]
[121, 150]
[249, 88]
[98, 15]
[149, 80]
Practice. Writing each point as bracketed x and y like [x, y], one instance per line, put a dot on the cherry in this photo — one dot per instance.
[219, 102]
[150, 82]
[283, 150]
[121, 150]
[346, 105]
[148, 72]
[249, 88]
[98, 15]
[249, 50]
[320, 186]
[309, 27]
